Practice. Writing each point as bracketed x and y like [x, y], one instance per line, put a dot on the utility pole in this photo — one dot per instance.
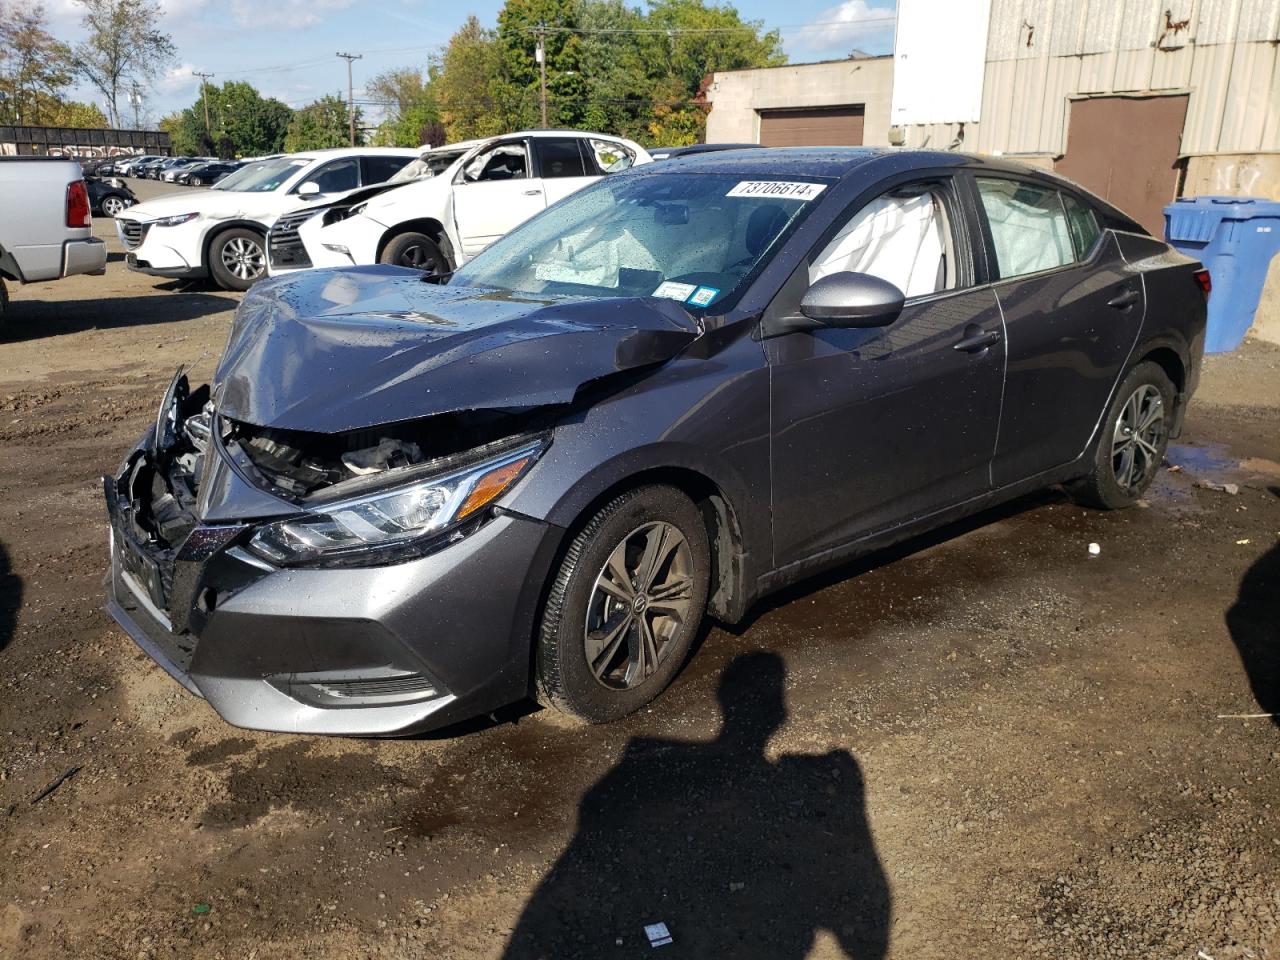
[136, 99]
[351, 102]
[204, 98]
[540, 54]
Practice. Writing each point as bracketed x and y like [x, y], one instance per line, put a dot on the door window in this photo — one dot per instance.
[612, 157]
[1028, 226]
[506, 161]
[1083, 225]
[382, 169]
[560, 158]
[337, 176]
[904, 237]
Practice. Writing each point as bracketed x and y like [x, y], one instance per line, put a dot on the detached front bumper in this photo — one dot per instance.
[368, 651]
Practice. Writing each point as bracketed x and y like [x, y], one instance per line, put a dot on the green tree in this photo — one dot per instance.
[35, 68]
[124, 44]
[411, 115]
[72, 113]
[474, 96]
[247, 124]
[320, 125]
[520, 22]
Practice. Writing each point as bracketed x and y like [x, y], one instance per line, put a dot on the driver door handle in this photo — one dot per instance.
[533, 193]
[978, 341]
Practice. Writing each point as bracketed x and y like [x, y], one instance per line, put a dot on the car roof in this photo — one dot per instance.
[827, 162]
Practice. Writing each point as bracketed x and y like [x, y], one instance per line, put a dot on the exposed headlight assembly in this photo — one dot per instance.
[397, 522]
[174, 220]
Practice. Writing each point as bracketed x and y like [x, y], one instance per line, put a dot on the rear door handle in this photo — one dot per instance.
[533, 193]
[1124, 300]
[978, 341]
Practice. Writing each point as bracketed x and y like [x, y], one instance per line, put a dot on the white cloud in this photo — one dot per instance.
[283, 13]
[838, 30]
[177, 79]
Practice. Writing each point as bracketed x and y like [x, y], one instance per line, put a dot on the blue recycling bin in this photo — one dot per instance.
[1235, 238]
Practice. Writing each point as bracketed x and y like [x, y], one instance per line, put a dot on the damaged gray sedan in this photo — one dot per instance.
[406, 499]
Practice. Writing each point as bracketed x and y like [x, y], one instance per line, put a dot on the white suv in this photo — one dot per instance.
[221, 232]
[459, 199]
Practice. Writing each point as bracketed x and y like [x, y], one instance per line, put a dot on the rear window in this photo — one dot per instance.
[560, 158]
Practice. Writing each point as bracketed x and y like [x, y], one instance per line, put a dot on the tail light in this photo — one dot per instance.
[78, 214]
[1205, 281]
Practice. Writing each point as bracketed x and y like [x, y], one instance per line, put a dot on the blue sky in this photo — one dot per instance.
[287, 48]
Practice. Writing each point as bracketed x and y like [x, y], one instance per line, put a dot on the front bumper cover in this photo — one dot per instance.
[368, 651]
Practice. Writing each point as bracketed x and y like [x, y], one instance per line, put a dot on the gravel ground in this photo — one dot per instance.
[985, 743]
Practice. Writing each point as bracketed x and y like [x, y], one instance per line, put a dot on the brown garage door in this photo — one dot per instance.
[1125, 149]
[812, 127]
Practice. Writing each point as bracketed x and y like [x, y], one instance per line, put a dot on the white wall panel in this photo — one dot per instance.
[939, 61]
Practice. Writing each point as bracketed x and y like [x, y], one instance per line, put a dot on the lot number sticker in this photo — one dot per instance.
[782, 190]
[675, 291]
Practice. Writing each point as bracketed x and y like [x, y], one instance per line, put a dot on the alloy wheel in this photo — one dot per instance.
[1136, 441]
[640, 602]
[418, 258]
[112, 206]
[243, 258]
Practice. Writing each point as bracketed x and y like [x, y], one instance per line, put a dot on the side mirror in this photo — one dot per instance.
[852, 300]
[309, 189]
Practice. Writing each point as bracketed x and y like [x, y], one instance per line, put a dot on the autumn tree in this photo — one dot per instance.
[125, 44]
[35, 68]
[410, 114]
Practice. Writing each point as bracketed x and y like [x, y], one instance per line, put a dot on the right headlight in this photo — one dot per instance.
[396, 522]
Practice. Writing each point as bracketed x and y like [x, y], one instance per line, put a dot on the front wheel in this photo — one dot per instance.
[416, 251]
[625, 606]
[196, 182]
[237, 258]
[1135, 435]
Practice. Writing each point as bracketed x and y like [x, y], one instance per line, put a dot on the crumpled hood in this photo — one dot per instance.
[334, 350]
[387, 206]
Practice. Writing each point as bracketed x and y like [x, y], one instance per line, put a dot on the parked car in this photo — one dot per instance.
[128, 166]
[208, 173]
[45, 222]
[109, 196]
[171, 173]
[403, 503]
[221, 232]
[670, 153]
[437, 222]
[146, 170]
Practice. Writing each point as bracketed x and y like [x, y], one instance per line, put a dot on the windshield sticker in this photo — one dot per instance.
[782, 190]
[675, 291]
[703, 296]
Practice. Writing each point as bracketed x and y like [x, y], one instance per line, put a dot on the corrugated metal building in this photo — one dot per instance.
[1140, 100]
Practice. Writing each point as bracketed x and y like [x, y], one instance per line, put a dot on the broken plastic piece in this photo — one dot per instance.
[1095, 549]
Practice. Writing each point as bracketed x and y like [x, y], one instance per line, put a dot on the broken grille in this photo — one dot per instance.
[284, 245]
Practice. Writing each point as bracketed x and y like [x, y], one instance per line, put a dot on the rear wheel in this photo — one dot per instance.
[195, 182]
[417, 251]
[237, 258]
[1135, 435]
[113, 205]
[625, 606]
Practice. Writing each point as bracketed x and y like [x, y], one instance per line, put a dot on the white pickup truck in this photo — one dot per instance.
[45, 223]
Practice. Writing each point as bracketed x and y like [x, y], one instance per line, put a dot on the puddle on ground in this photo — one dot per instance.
[1211, 460]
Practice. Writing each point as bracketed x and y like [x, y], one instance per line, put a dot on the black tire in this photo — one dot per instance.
[1123, 467]
[195, 182]
[417, 251]
[229, 258]
[113, 204]
[564, 679]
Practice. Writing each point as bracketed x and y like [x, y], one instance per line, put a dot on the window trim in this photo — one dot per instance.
[989, 240]
[1088, 255]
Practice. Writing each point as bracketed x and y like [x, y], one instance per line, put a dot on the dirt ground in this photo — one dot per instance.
[985, 744]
